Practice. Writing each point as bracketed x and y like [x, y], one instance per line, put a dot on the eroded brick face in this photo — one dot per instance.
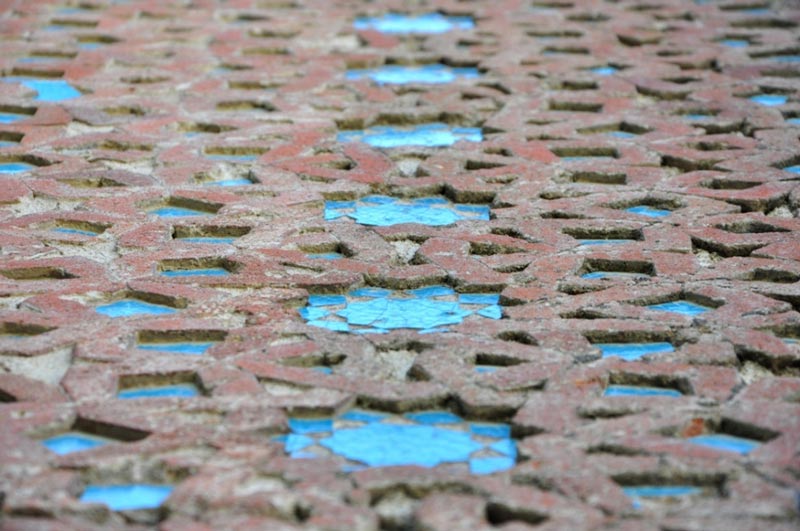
[400, 266]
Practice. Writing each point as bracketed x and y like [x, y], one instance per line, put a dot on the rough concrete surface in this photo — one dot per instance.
[667, 129]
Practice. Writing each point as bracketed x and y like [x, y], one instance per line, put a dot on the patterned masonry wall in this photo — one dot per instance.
[399, 265]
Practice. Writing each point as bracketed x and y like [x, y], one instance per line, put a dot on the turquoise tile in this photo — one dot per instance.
[164, 391]
[680, 307]
[644, 210]
[74, 441]
[132, 307]
[633, 390]
[431, 23]
[402, 75]
[634, 351]
[726, 443]
[127, 497]
[190, 348]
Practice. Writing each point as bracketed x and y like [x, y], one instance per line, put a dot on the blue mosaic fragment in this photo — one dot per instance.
[326, 300]
[491, 312]
[70, 442]
[769, 100]
[604, 70]
[77, 232]
[479, 298]
[306, 426]
[360, 415]
[793, 169]
[644, 210]
[165, 391]
[189, 348]
[401, 75]
[208, 240]
[15, 167]
[176, 212]
[633, 390]
[47, 89]
[785, 58]
[634, 351]
[485, 369]
[205, 272]
[426, 135]
[497, 431]
[481, 466]
[660, 491]
[323, 370]
[621, 134]
[726, 443]
[604, 242]
[231, 182]
[429, 23]
[506, 447]
[432, 418]
[613, 274]
[680, 307]
[10, 117]
[232, 158]
[312, 313]
[432, 291]
[735, 43]
[127, 497]
[326, 256]
[294, 442]
[131, 307]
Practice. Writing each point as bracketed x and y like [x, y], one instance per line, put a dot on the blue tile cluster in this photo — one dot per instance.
[425, 135]
[383, 211]
[209, 240]
[202, 272]
[430, 23]
[11, 117]
[769, 100]
[177, 212]
[427, 439]
[433, 74]
[15, 167]
[127, 497]
[374, 310]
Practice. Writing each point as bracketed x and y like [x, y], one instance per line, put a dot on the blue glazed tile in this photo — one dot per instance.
[208, 240]
[385, 211]
[432, 291]
[313, 313]
[497, 431]
[76, 232]
[131, 307]
[401, 75]
[326, 256]
[326, 300]
[323, 370]
[89, 45]
[793, 121]
[231, 182]
[481, 466]
[633, 351]
[485, 369]
[426, 135]
[74, 441]
[604, 70]
[15, 167]
[188, 348]
[176, 212]
[10, 117]
[604, 242]
[294, 442]
[506, 447]
[206, 272]
[429, 23]
[735, 43]
[769, 100]
[790, 340]
[644, 210]
[165, 391]
[491, 312]
[127, 497]
[660, 491]
[785, 58]
[621, 134]
[613, 274]
[680, 307]
[47, 90]
[360, 415]
[434, 417]
[7, 143]
[396, 444]
[306, 426]
[726, 443]
[697, 116]
[632, 390]
[793, 169]
[233, 158]
[479, 298]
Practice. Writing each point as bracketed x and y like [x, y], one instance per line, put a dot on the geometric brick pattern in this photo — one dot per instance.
[205, 144]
